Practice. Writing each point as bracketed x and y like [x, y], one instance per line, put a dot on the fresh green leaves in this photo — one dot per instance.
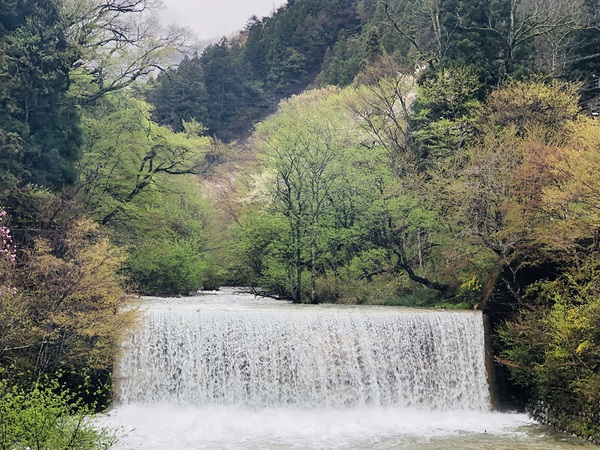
[47, 417]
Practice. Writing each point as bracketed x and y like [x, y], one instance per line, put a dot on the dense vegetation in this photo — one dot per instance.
[96, 200]
[234, 82]
[426, 153]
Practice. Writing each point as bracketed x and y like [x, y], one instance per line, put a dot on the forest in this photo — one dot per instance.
[438, 153]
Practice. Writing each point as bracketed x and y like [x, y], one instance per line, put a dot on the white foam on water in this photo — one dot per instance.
[163, 427]
[229, 371]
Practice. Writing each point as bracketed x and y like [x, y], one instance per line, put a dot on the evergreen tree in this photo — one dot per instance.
[180, 95]
[39, 134]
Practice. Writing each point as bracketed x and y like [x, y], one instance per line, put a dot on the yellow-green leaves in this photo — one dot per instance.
[77, 300]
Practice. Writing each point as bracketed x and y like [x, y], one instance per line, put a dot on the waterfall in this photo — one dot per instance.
[270, 355]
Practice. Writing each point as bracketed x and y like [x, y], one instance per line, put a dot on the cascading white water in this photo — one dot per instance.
[233, 372]
[305, 357]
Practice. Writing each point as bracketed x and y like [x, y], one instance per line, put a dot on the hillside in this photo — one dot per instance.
[233, 83]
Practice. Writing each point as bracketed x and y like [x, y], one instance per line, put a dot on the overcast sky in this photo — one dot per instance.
[215, 18]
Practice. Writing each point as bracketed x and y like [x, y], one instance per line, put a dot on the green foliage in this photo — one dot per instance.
[48, 417]
[319, 42]
[554, 349]
[343, 63]
[234, 82]
[530, 106]
[137, 178]
[551, 344]
[331, 206]
[306, 153]
[233, 96]
[443, 110]
[168, 266]
[496, 180]
[78, 300]
[179, 95]
[39, 134]
[449, 93]
[63, 305]
[127, 156]
[258, 250]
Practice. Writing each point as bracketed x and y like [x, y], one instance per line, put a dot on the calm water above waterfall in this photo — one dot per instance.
[231, 371]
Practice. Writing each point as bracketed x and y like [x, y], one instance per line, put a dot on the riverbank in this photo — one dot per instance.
[579, 423]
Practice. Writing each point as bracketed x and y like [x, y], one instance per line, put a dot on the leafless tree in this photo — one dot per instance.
[118, 42]
[424, 22]
[550, 23]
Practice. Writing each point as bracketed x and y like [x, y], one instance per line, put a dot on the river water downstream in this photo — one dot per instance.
[227, 370]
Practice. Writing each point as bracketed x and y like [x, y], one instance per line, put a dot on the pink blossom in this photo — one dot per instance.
[7, 248]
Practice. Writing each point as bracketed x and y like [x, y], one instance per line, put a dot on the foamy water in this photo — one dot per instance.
[166, 427]
[228, 371]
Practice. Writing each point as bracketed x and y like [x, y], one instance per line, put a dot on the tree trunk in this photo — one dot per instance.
[313, 267]
[297, 294]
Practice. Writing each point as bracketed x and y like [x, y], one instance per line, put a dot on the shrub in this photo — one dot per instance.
[48, 418]
[168, 266]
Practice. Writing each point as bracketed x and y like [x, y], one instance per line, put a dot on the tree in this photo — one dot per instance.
[259, 251]
[498, 185]
[48, 416]
[550, 346]
[518, 24]
[442, 111]
[55, 55]
[140, 180]
[489, 211]
[63, 307]
[117, 42]
[76, 300]
[39, 134]
[531, 105]
[344, 62]
[330, 203]
[569, 201]
[179, 95]
[234, 98]
[171, 238]
[384, 110]
[125, 154]
[552, 349]
[422, 25]
[304, 146]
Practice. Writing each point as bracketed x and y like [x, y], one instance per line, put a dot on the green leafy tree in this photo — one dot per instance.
[332, 205]
[385, 110]
[138, 178]
[552, 348]
[523, 27]
[126, 154]
[443, 111]
[117, 43]
[170, 241]
[344, 62]
[304, 151]
[495, 186]
[259, 248]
